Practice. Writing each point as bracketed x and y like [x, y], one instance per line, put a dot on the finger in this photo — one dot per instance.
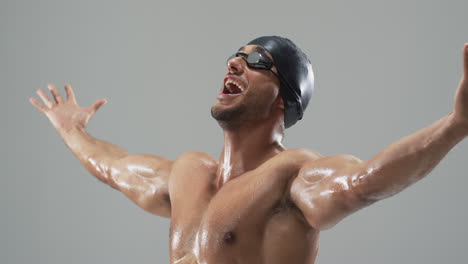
[45, 98]
[70, 94]
[465, 58]
[38, 105]
[55, 93]
[98, 104]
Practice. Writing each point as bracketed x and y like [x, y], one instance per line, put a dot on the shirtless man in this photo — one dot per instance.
[259, 203]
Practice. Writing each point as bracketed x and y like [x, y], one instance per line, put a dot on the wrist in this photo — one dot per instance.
[458, 126]
[72, 135]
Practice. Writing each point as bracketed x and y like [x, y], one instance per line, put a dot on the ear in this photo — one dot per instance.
[279, 103]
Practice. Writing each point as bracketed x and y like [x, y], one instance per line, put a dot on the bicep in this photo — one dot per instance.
[144, 180]
[325, 190]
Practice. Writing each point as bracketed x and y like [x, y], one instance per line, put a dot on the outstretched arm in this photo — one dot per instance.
[329, 189]
[142, 178]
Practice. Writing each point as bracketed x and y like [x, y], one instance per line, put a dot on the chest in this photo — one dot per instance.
[207, 218]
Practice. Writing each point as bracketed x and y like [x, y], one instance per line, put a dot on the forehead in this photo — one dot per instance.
[251, 48]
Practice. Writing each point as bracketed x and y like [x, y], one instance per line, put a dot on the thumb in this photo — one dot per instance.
[98, 104]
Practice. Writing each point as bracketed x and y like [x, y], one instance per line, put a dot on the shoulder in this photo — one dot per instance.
[299, 156]
[314, 171]
[308, 159]
[289, 162]
[197, 158]
[335, 162]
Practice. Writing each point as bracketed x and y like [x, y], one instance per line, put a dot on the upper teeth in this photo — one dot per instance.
[235, 83]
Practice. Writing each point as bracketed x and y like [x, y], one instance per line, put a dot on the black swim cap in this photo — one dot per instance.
[296, 76]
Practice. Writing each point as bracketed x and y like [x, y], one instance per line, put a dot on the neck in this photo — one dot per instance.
[247, 147]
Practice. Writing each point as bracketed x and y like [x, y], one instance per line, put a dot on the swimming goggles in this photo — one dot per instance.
[256, 60]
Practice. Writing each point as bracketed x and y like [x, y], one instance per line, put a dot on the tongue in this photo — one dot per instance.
[233, 88]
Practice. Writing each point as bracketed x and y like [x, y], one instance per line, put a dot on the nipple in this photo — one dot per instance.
[229, 237]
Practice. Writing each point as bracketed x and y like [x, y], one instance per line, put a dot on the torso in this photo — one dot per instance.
[250, 219]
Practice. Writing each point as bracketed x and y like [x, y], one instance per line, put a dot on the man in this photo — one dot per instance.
[259, 203]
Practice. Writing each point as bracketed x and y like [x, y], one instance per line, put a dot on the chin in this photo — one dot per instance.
[228, 114]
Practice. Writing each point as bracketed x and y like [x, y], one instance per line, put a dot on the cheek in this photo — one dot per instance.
[264, 85]
[263, 97]
[273, 94]
[270, 90]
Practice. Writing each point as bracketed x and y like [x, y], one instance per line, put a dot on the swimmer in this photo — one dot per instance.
[259, 202]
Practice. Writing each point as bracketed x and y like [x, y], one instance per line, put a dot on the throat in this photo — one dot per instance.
[245, 149]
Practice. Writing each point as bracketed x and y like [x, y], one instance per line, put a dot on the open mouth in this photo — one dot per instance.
[232, 87]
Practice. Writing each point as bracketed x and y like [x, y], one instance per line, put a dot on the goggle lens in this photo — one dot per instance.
[255, 60]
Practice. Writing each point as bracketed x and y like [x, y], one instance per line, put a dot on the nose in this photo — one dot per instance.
[236, 65]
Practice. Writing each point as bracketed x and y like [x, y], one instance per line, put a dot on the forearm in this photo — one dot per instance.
[96, 155]
[407, 160]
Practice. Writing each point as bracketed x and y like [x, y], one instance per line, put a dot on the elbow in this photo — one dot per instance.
[100, 170]
[368, 189]
[111, 177]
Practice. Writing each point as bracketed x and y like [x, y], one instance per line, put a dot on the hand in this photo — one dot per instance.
[65, 115]
[460, 113]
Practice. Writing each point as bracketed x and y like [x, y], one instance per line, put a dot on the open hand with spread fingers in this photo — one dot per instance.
[65, 115]
[461, 96]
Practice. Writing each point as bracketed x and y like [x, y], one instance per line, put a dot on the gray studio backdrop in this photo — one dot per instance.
[384, 69]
